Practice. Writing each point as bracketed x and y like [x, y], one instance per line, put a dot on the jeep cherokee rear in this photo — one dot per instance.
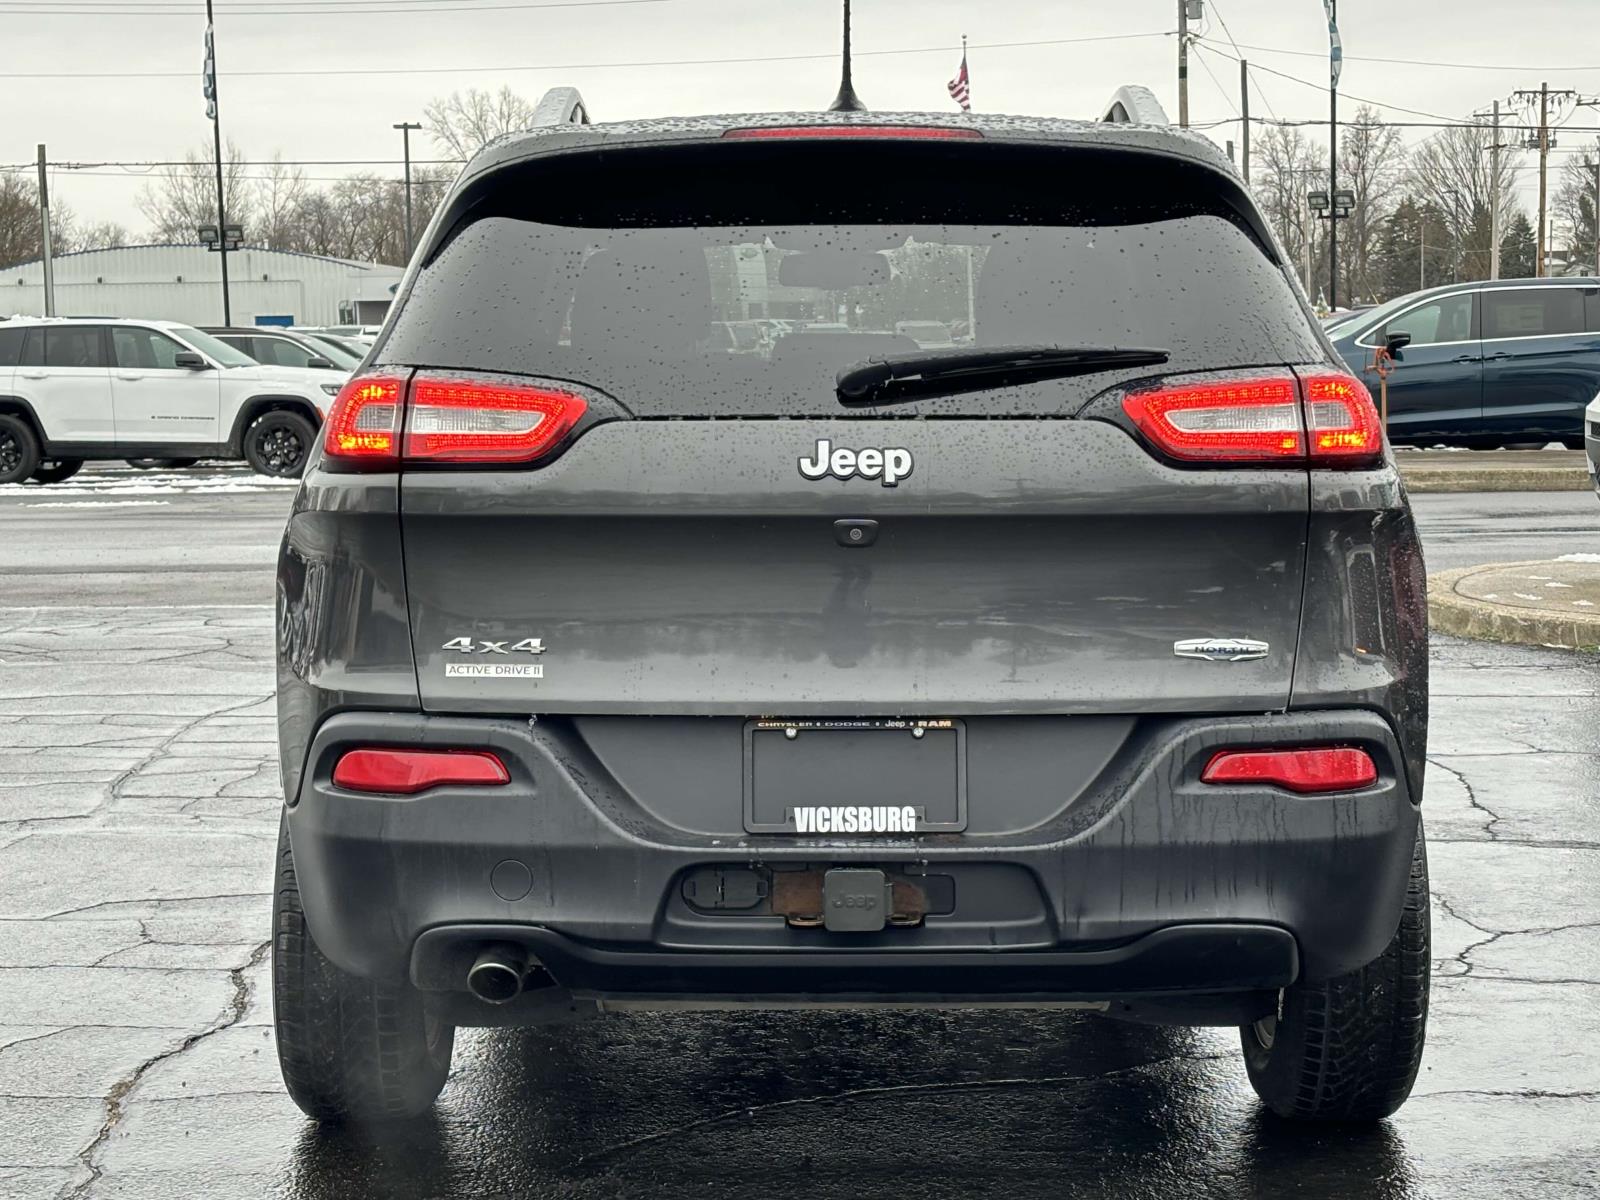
[1081, 665]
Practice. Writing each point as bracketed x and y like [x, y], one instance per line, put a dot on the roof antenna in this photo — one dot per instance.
[847, 100]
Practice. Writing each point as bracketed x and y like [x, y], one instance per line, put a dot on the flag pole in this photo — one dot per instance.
[216, 137]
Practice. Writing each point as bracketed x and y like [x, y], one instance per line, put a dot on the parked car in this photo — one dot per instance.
[286, 348]
[349, 343]
[1086, 668]
[77, 390]
[1591, 441]
[928, 335]
[364, 331]
[737, 337]
[1488, 363]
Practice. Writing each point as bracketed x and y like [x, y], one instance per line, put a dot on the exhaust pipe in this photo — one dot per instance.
[496, 977]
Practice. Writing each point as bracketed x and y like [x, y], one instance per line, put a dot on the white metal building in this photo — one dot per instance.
[184, 283]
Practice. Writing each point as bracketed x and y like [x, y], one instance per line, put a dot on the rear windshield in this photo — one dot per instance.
[725, 281]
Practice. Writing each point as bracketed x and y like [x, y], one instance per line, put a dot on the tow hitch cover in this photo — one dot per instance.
[855, 900]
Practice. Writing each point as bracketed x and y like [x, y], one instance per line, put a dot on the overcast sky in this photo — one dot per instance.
[447, 44]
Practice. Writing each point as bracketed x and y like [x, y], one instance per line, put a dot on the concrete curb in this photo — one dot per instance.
[1463, 616]
[1494, 479]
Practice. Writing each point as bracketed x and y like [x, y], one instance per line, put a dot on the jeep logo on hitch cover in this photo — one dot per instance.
[890, 464]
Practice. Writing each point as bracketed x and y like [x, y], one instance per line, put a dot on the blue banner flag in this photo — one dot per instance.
[1335, 46]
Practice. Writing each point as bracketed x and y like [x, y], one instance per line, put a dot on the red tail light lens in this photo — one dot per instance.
[1331, 769]
[1342, 422]
[446, 420]
[406, 772]
[1324, 420]
[469, 421]
[908, 132]
[364, 422]
[1246, 420]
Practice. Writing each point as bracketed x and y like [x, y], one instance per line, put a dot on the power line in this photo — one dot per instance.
[1408, 62]
[1212, 75]
[331, 9]
[829, 55]
[188, 6]
[1323, 87]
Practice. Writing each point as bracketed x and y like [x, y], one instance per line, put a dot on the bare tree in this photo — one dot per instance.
[1371, 162]
[184, 197]
[1574, 208]
[278, 196]
[19, 222]
[101, 236]
[1451, 171]
[1288, 165]
[462, 123]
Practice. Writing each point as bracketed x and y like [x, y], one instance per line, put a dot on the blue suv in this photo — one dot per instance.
[1488, 363]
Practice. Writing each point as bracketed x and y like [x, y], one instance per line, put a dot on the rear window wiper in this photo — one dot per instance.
[902, 378]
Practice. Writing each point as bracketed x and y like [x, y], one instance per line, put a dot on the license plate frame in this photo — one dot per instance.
[942, 739]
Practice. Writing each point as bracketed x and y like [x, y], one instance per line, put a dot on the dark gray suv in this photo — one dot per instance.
[1081, 663]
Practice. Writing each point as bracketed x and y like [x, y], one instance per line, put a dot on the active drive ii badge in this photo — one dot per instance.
[1216, 649]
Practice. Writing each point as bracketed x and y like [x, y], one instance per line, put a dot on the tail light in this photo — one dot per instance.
[364, 422]
[1342, 422]
[1330, 769]
[1255, 420]
[382, 421]
[1324, 420]
[406, 772]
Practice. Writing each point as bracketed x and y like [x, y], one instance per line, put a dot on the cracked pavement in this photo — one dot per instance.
[138, 817]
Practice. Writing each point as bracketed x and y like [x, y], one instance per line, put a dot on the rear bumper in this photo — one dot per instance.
[1147, 882]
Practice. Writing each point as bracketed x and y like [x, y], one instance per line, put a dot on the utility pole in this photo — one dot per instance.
[1544, 172]
[1244, 115]
[216, 137]
[405, 128]
[1333, 172]
[44, 232]
[1597, 217]
[1422, 248]
[1183, 63]
[1494, 198]
[1544, 142]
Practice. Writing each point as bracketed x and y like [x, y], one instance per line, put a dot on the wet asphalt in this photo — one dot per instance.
[138, 812]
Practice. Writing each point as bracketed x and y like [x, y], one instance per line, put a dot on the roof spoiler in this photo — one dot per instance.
[1135, 105]
[560, 106]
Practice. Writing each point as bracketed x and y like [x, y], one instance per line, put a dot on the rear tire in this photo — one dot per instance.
[1348, 1049]
[351, 1049]
[58, 471]
[19, 449]
[278, 444]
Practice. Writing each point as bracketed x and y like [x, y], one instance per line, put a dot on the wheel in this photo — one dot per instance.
[1574, 443]
[19, 449]
[350, 1049]
[165, 464]
[278, 443]
[58, 470]
[1348, 1049]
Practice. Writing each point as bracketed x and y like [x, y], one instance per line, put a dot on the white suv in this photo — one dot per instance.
[78, 389]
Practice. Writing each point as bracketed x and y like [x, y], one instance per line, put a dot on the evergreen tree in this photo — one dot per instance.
[1518, 249]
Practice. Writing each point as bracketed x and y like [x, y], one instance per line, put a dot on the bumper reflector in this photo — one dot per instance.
[405, 772]
[1330, 769]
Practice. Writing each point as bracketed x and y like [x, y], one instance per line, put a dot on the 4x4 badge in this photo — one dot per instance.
[466, 645]
[1221, 649]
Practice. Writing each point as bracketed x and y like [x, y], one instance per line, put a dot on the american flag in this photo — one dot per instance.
[960, 89]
